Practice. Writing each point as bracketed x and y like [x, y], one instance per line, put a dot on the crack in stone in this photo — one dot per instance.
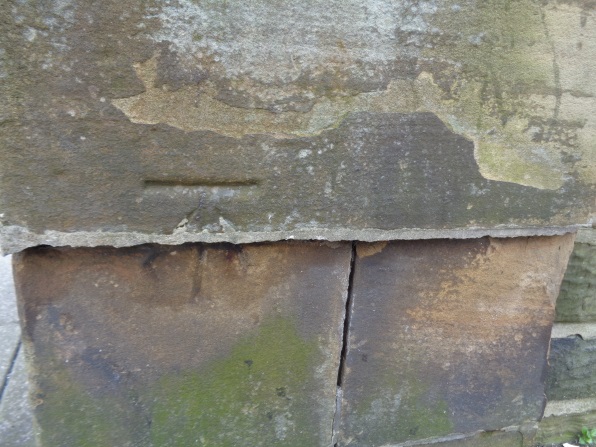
[344, 349]
[6, 379]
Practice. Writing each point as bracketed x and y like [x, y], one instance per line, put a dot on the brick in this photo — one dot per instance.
[187, 345]
[448, 337]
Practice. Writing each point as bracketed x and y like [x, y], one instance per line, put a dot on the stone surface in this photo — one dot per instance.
[584, 330]
[16, 419]
[15, 413]
[511, 438]
[8, 309]
[577, 300]
[448, 336]
[140, 121]
[9, 341]
[9, 321]
[587, 235]
[563, 427]
[571, 406]
[188, 345]
[572, 370]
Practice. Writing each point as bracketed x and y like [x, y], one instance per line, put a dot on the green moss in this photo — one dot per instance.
[259, 395]
[70, 416]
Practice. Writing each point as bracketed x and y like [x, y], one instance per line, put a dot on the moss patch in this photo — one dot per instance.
[260, 394]
[70, 416]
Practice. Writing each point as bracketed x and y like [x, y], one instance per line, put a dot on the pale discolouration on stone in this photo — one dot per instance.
[503, 99]
[214, 120]
[449, 337]
[195, 108]
[365, 250]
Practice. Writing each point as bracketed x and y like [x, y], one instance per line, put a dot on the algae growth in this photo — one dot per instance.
[70, 415]
[260, 395]
[264, 393]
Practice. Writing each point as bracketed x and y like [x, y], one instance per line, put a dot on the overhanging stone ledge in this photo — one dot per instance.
[15, 238]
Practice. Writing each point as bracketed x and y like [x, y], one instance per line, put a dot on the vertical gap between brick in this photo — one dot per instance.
[10, 369]
[344, 349]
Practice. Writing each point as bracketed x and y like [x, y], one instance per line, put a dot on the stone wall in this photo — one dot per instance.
[151, 122]
[571, 380]
[431, 159]
[292, 344]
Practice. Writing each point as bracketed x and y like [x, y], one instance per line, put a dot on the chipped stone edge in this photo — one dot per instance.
[15, 238]
[586, 331]
[570, 406]
[586, 236]
[457, 437]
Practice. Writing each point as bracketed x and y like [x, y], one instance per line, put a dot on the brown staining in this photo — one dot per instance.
[145, 303]
[497, 291]
[460, 326]
[363, 249]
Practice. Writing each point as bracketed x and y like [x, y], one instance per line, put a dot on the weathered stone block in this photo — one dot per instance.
[555, 429]
[189, 345]
[577, 300]
[572, 368]
[448, 336]
[138, 121]
[483, 439]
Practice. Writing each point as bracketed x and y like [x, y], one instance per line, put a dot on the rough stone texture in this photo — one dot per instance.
[561, 428]
[511, 438]
[266, 120]
[572, 370]
[583, 330]
[577, 300]
[570, 406]
[15, 413]
[448, 336]
[9, 320]
[188, 345]
[16, 419]
[8, 310]
[9, 342]
[587, 235]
